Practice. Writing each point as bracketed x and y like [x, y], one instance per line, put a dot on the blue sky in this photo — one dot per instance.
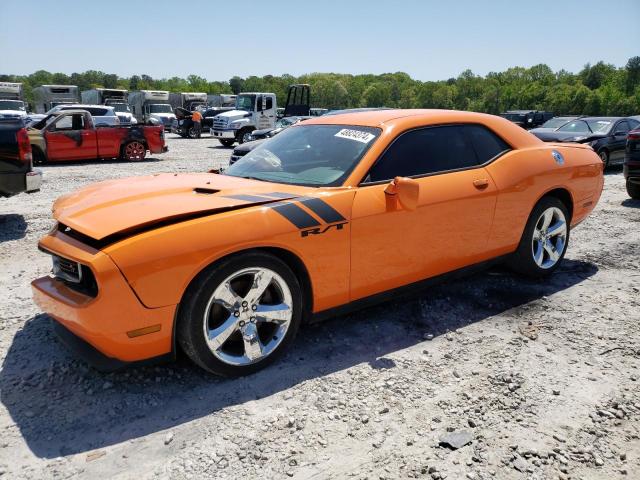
[430, 40]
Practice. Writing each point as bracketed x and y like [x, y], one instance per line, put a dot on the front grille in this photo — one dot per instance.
[219, 122]
[76, 276]
[66, 269]
[124, 119]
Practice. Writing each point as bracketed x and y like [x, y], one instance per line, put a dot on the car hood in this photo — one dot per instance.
[126, 206]
[17, 113]
[246, 147]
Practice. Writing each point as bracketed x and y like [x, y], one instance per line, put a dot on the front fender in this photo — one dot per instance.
[160, 264]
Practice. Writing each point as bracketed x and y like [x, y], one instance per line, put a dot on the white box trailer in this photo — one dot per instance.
[150, 105]
[221, 100]
[12, 100]
[187, 100]
[114, 97]
[46, 97]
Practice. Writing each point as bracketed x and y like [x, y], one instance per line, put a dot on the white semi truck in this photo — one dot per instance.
[12, 100]
[187, 100]
[112, 97]
[46, 97]
[257, 111]
[150, 105]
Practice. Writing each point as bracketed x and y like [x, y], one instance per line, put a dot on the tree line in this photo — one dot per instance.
[599, 89]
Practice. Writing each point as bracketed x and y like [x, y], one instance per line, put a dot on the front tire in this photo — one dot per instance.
[633, 189]
[244, 136]
[604, 156]
[544, 240]
[227, 142]
[240, 314]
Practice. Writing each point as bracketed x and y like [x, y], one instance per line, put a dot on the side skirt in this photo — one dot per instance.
[406, 291]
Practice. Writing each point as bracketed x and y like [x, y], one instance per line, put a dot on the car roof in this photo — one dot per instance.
[70, 110]
[609, 119]
[392, 120]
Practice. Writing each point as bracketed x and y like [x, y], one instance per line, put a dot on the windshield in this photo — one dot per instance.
[311, 155]
[575, 126]
[555, 123]
[160, 108]
[120, 107]
[600, 126]
[12, 105]
[285, 122]
[245, 102]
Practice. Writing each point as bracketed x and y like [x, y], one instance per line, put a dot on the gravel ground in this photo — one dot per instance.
[487, 377]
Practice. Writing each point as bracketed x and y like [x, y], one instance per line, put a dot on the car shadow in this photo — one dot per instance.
[99, 162]
[613, 170]
[631, 203]
[62, 407]
[222, 147]
[12, 227]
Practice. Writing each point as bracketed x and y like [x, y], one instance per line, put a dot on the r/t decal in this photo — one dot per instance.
[320, 230]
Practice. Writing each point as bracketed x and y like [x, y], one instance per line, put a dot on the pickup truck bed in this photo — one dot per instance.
[16, 170]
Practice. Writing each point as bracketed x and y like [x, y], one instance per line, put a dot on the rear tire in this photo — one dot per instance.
[544, 240]
[633, 189]
[227, 142]
[240, 314]
[134, 151]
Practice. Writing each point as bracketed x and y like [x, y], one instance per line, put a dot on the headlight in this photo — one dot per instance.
[592, 143]
[236, 125]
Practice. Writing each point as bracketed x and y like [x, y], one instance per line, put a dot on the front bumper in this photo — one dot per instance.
[114, 322]
[224, 134]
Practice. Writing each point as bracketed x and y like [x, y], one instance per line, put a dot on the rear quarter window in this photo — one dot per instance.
[486, 143]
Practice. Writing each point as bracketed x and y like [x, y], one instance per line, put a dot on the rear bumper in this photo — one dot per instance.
[114, 322]
[631, 170]
[13, 183]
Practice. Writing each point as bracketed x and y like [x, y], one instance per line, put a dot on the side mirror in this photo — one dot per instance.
[406, 190]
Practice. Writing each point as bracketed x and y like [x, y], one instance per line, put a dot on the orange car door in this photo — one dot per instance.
[449, 229]
[71, 137]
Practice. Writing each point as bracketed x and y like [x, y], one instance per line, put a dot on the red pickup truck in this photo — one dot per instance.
[71, 135]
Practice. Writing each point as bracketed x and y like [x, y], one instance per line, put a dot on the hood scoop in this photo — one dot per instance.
[205, 191]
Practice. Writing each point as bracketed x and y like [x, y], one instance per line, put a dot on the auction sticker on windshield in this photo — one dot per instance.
[357, 135]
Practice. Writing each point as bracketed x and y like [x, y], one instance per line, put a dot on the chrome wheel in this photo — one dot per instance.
[549, 238]
[246, 137]
[247, 316]
[134, 151]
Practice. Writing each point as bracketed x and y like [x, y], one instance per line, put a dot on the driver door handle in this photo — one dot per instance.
[481, 183]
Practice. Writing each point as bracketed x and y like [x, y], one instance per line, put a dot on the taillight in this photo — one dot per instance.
[24, 146]
[634, 135]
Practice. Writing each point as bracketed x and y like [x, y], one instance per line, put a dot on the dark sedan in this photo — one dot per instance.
[606, 135]
[632, 164]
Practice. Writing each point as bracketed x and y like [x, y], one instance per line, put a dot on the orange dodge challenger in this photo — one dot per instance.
[330, 214]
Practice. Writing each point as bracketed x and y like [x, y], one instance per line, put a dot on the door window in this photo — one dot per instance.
[269, 103]
[437, 149]
[70, 122]
[622, 128]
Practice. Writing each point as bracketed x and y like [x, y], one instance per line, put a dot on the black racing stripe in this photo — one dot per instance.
[321, 208]
[248, 198]
[278, 195]
[295, 215]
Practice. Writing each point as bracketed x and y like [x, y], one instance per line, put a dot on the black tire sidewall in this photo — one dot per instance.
[189, 332]
[633, 190]
[605, 162]
[227, 142]
[522, 260]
